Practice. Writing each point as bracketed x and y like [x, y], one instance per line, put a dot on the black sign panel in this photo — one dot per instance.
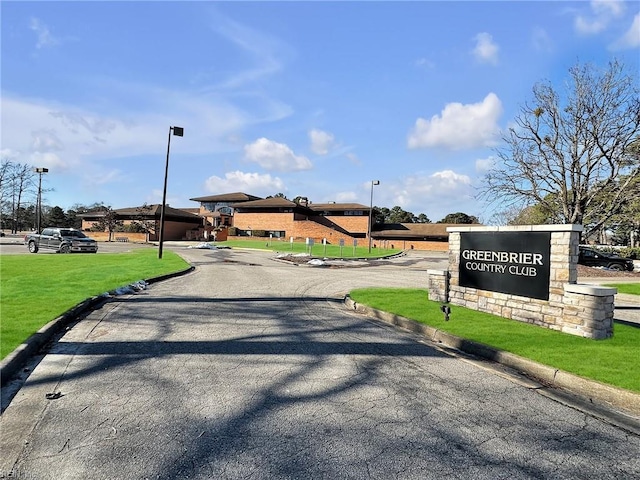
[517, 263]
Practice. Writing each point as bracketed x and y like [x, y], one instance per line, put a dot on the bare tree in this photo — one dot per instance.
[145, 221]
[17, 188]
[5, 175]
[108, 222]
[564, 154]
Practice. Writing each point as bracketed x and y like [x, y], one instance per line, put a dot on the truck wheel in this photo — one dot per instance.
[33, 247]
[615, 266]
[65, 249]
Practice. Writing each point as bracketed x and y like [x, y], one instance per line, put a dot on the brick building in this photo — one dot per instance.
[179, 224]
[242, 215]
[282, 218]
[410, 236]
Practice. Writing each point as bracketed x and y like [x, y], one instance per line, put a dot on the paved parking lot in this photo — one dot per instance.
[12, 245]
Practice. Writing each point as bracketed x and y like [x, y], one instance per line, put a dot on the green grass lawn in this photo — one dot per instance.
[35, 289]
[614, 361]
[631, 288]
[318, 250]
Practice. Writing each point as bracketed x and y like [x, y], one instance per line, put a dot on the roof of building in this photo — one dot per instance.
[411, 230]
[272, 202]
[337, 207]
[195, 211]
[153, 210]
[227, 197]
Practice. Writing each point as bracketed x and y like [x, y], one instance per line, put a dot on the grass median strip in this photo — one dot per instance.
[331, 250]
[629, 288]
[35, 289]
[614, 361]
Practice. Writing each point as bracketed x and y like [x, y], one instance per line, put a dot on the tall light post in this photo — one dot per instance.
[178, 132]
[39, 171]
[373, 182]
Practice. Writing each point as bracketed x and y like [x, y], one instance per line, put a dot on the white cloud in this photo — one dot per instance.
[105, 177]
[459, 126]
[435, 195]
[9, 154]
[601, 15]
[631, 39]
[484, 164]
[614, 8]
[449, 180]
[49, 160]
[256, 183]
[321, 142]
[424, 63]
[66, 135]
[486, 50]
[353, 158]
[262, 51]
[275, 156]
[589, 27]
[346, 197]
[45, 38]
[45, 140]
[80, 135]
[541, 40]
[436, 185]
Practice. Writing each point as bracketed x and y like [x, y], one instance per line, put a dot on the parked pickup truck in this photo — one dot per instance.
[62, 240]
[594, 258]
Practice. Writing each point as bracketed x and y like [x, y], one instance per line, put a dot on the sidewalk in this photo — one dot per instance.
[627, 307]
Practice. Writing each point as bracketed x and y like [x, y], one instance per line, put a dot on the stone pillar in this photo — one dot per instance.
[588, 310]
[438, 285]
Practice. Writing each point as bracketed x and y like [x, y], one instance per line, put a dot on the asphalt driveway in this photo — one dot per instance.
[251, 368]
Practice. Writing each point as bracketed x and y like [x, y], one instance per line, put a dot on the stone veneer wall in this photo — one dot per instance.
[582, 310]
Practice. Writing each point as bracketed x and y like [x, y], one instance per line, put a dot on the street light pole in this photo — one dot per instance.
[178, 132]
[373, 182]
[39, 171]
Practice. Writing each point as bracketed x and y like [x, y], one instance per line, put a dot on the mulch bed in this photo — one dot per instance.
[602, 272]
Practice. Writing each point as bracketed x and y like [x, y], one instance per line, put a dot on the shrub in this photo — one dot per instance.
[628, 252]
[134, 228]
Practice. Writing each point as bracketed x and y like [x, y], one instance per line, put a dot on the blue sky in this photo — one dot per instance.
[315, 99]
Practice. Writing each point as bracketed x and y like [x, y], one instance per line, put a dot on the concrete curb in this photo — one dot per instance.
[16, 360]
[591, 390]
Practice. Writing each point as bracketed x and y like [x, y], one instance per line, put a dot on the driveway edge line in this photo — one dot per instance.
[16, 360]
[590, 390]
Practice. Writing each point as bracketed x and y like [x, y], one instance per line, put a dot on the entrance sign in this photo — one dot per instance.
[535, 270]
[516, 263]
